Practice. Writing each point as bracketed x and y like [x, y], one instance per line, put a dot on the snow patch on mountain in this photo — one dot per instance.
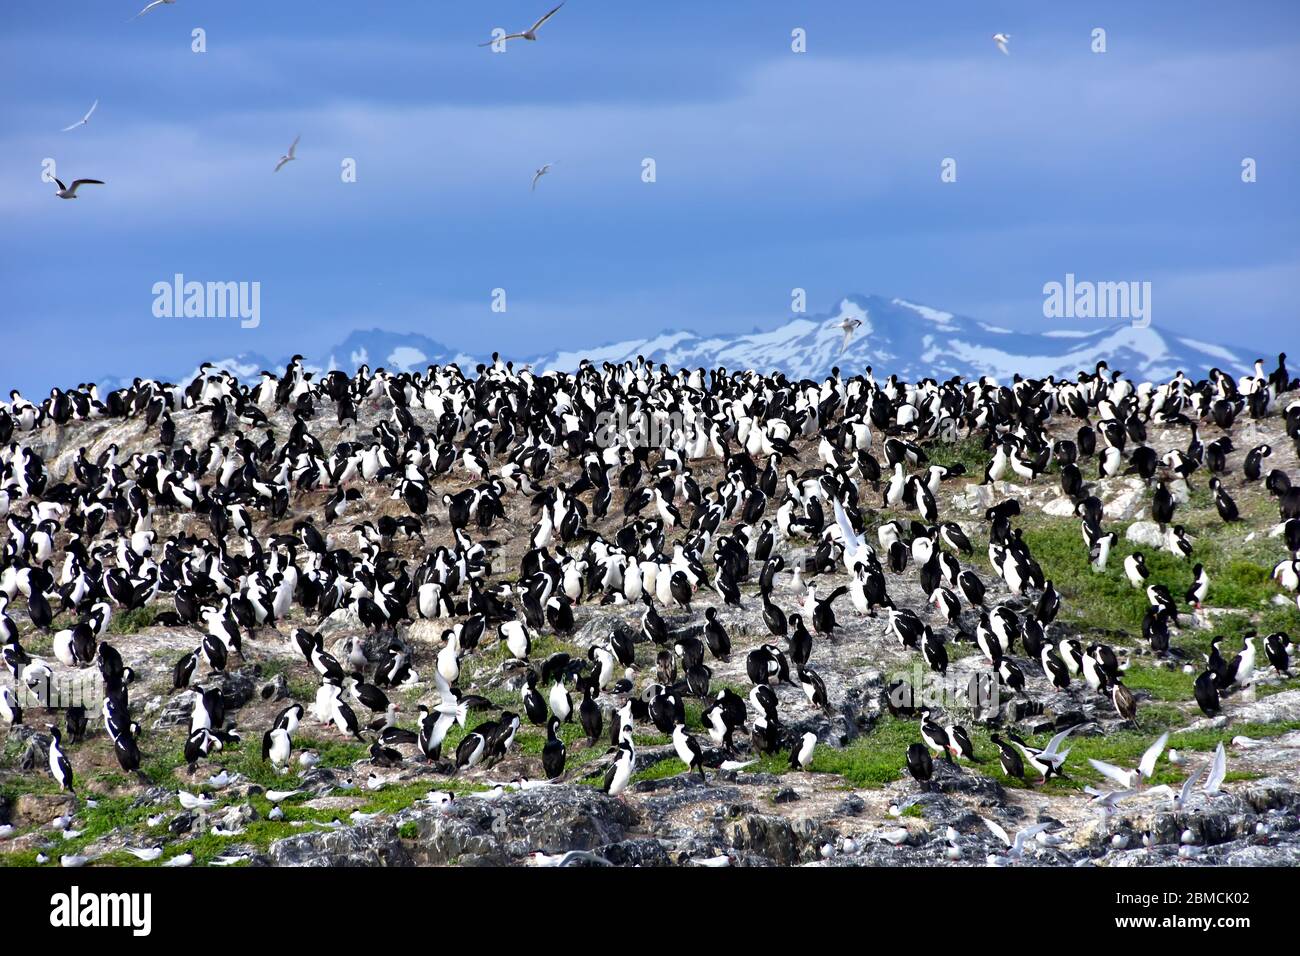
[1218, 350]
[404, 358]
[943, 319]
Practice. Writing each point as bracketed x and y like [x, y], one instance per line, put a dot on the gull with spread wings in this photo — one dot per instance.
[849, 325]
[540, 173]
[855, 545]
[1132, 779]
[70, 192]
[529, 34]
[1050, 759]
[84, 120]
[1180, 798]
[155, 3]
[289, 156]
[1218, 770]
[1107, 801]
[1017, 846]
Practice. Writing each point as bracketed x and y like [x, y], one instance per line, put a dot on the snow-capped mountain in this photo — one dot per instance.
[914, 341]
[895, 336]
[395, 351]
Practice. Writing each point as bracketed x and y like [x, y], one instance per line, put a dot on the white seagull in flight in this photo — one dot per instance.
[1107, 801]
[1180, 798]
[70, 192]
[545, 169]
[529, 34]
[1015, 847]
[289, 156]
[155, 3]
[84, 120]
[1133, 779]
[1002, 39]
[849, 325]
[1218, 770]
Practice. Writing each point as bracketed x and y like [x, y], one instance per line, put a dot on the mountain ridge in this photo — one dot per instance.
[896, 336]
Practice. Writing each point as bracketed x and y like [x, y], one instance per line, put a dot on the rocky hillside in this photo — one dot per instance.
[855, 804]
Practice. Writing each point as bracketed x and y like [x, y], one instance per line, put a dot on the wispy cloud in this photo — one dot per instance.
[1003, 123]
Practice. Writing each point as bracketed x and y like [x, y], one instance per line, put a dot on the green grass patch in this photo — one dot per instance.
[969, 452]
[131, 622]
[1104, 606]
[1162, 683]
[873, 759]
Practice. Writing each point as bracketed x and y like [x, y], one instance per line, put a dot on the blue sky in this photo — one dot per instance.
[775, 170]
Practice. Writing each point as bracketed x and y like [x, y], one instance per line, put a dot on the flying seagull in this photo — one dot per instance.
[1218, 770]
[1132, 779]
[1106, 802]
[854, 543]
[70, 192]
[545, 169]
[289, 156]
[1180, 798]
[1015, 847]
[1050, 760]
[84, 120]
[849, 326]
[529, 34]
[155, 3]
[1002, 39]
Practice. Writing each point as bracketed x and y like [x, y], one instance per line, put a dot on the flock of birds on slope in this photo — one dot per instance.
[498, 41]
[85, 543]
